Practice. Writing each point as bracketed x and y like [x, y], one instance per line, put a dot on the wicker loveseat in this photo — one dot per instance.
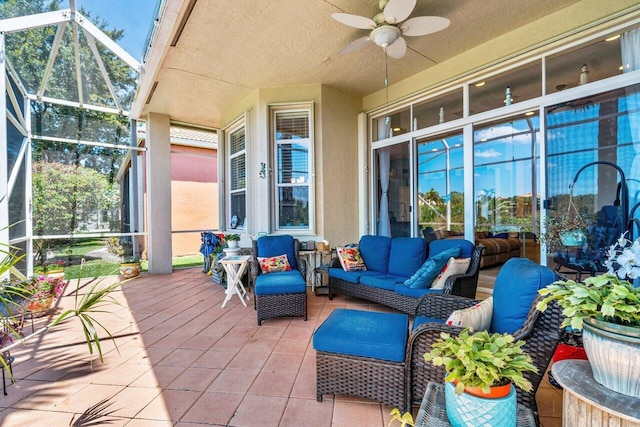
[390, 262]
[498, 248]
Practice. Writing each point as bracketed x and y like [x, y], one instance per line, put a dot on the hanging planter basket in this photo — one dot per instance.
[573, 238]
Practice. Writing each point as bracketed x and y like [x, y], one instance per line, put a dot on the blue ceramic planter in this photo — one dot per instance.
[465, 410]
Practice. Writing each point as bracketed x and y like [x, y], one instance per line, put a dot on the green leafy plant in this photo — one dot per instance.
[48, 267]
[481, 360]
[232, 237]
[405, 419]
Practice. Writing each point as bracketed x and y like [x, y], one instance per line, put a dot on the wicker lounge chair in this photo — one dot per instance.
[279, 294]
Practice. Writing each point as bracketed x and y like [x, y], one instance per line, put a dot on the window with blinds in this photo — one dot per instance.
[292, 136]
[237, 178]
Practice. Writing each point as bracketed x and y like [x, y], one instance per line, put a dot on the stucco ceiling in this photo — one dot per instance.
[227, 50]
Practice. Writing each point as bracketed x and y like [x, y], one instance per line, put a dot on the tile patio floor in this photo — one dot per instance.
[185, 361]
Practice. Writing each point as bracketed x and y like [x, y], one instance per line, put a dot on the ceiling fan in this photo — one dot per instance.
[388, 26]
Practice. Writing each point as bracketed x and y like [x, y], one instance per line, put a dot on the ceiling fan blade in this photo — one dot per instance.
[398, 49]
[422, 25]
[355, 45]
[354, 21]
[398, 10]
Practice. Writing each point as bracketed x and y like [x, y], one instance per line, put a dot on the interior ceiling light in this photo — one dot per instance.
[480, 84]
[612, 38]
[529, 113]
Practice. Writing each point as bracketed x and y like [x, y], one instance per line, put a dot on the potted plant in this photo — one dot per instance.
[482, 370]
[130, 266]
[233, 240]
[55, 269]
[43, 290]
[607, 309]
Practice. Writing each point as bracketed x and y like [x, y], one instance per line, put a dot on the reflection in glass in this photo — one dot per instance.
[294, 207]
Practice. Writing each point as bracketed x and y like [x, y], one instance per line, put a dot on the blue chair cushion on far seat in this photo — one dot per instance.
[381, 336]
[382, 281]
[270, 246]
[282, 282]
[352, 276]
[437, 246]
[515, 289]
[407, 255]
[375, 252]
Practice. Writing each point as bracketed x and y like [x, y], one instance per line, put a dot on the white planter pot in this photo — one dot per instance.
[614, 355]
[233, 244]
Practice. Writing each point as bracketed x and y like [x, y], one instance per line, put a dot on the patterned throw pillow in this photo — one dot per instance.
[477, 317]
[351, 259]
[454, 266]
[274, 264]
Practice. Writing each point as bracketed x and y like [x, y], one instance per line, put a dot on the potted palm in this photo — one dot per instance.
[607, 309]
[482, 370]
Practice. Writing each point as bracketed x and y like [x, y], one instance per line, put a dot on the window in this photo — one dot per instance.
[237, 178]
[292, 130]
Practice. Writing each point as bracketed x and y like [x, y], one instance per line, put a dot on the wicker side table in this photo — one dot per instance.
[433, 412]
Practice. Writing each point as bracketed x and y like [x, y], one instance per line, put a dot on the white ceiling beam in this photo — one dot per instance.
[76, 53]
[21, 23]
[106, 41]
[103, 70]
[52, 58]
[77, 105]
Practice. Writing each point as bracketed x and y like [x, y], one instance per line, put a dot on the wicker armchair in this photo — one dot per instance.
[279, 294]
[540, 331]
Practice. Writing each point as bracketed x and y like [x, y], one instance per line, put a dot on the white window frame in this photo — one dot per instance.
[275, 110]
[240, 126]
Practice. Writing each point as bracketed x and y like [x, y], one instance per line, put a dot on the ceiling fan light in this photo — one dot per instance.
[385, 35]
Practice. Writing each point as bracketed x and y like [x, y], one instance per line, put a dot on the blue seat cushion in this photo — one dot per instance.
[381, 336]
[282, 282]
[419, 320]
[375, 252]
[515, 289]
[352, 276]
[382, 281]
[437, 246]
[423, 278]
[271, 246]
[403, 289]
[407, 255]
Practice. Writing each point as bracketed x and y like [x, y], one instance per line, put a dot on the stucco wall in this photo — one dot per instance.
[538, 34]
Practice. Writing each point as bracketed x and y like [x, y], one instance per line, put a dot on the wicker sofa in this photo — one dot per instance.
[390, 262]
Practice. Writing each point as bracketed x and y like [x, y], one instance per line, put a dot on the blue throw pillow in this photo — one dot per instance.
[431, 268]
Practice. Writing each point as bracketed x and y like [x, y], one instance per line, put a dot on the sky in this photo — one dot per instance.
[133, 16]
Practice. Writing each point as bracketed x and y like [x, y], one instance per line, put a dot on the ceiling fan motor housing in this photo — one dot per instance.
[385, 35]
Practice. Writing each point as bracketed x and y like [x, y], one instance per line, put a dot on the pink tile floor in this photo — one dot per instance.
[182, 360]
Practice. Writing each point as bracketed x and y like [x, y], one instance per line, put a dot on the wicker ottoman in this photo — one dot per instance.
[362, 353]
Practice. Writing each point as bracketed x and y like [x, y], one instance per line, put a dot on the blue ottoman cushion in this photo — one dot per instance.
[381, 336]
[283, 282]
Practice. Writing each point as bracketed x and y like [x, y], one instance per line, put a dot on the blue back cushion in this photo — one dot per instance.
[437, 246]
[407, 255]
[375, 252]
[423, 278]
[270, 246]
[515, 289]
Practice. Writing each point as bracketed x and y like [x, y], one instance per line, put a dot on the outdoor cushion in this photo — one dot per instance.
[515, 289]
[453, 266]
[381, 336]
[407, 255]
[274, 264]
[270, 246]
[437, 246]
[350, 259]
[382, 281]
[431, 268]
[284, 282]
[478, 317]
[351, 276]
[375, 252]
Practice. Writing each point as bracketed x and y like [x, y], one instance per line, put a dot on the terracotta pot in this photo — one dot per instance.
[495, 392]
[466, 410]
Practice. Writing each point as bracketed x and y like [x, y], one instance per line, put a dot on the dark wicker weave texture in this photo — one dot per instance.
[541, 333]
[379, 380]
[279, 305]
[459, 284]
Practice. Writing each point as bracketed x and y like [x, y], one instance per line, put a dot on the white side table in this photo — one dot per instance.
[235, 266]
